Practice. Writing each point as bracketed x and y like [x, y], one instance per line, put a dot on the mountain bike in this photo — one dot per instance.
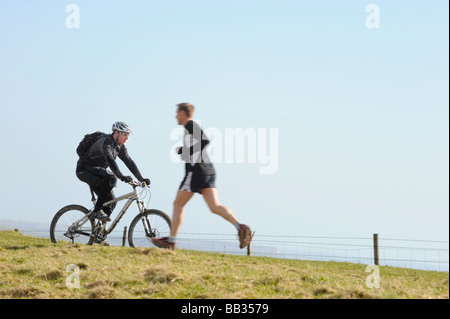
[74, 222]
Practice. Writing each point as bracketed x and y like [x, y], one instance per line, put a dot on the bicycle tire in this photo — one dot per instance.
[160, 226]
[56, 233]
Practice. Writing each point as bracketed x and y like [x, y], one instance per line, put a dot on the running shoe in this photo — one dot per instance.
[245, 235]
[163, 243]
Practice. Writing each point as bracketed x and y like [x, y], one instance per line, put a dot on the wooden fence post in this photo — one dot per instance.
[249, 247]
[124, 236]
[375, 250]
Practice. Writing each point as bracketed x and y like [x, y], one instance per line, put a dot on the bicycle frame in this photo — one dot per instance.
[132, 196]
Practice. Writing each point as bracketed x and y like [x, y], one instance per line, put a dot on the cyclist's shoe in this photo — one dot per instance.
[163, 243]
[245, 235]
[100, 215]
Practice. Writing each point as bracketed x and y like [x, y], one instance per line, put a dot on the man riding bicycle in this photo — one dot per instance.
[92, 167]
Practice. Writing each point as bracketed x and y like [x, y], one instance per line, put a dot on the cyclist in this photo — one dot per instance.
[200, 178]
[92, 167]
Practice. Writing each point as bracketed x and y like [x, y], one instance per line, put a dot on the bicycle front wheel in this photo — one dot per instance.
[151, 223]
[71, 224]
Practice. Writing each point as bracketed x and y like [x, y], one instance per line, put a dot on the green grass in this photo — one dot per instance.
[35, 268]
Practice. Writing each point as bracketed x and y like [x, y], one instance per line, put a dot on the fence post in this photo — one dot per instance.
[375, 250]
[124, 236]
[249, 247]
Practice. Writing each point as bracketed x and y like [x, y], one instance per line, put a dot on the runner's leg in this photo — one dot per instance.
[178, 211]
[212, 199]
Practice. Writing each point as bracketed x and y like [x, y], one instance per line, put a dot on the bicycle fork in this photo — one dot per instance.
[149, 232]
[147, 227]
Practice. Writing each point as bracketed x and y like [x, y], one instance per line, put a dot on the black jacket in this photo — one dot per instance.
[104, 152]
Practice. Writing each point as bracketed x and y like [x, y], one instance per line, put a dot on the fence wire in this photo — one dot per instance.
[396, 252]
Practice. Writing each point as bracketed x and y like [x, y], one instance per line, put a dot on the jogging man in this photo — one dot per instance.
[200, 178]
[92, 168]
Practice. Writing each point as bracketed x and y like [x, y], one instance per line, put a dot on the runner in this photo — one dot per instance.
[200, 178]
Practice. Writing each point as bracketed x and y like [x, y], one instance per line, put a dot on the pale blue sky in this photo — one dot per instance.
[362, 114]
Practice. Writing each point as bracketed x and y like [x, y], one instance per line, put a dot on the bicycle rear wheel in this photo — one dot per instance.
[71, 224]
[150, 223]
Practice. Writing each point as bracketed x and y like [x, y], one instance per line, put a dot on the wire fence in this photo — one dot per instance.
[396, 252]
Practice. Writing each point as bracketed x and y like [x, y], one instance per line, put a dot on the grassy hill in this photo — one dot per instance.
[35, 268]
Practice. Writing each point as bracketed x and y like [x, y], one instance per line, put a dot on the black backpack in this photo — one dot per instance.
[88, 141]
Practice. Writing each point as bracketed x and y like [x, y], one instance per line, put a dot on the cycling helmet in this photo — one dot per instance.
[122, 127]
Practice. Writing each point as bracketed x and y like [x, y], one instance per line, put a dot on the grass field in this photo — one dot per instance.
[35, 268]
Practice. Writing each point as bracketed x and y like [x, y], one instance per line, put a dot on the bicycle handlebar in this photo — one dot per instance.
[135, 183]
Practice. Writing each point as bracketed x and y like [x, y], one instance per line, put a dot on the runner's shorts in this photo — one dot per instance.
[194, 182]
